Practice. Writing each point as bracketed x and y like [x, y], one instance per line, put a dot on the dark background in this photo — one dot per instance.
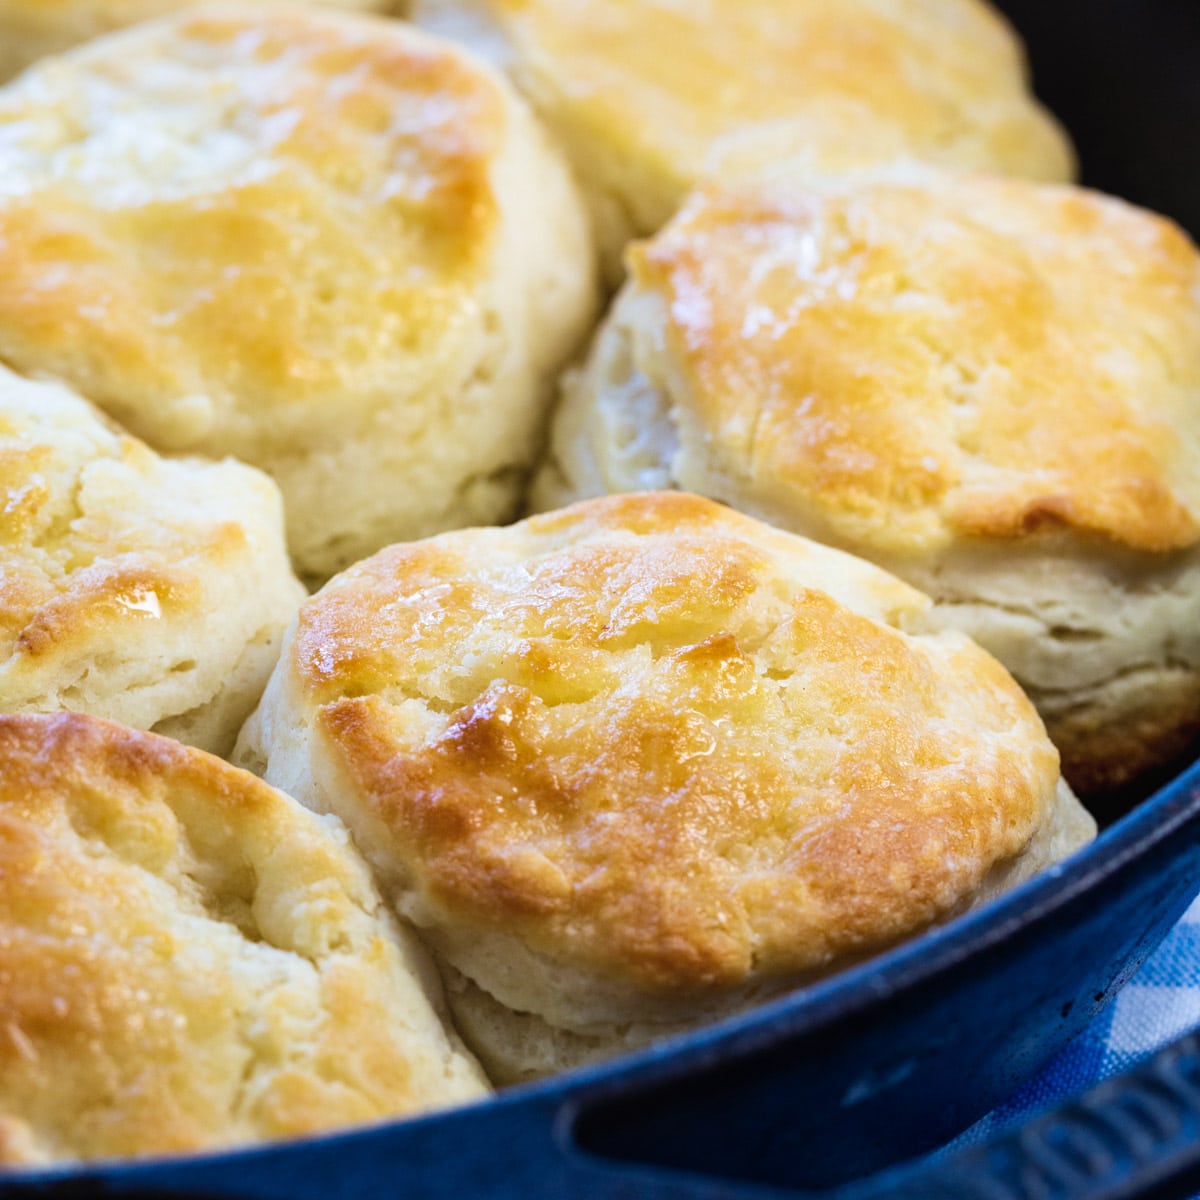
[1124, 77]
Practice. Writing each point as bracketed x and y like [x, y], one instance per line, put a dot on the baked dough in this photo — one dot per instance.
[328, 245]
[990, 387]
[633, 765]
[190, 960]
[148, 590]
[649, 95]
[33, 29]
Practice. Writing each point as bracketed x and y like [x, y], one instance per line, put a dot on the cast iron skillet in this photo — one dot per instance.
[847, 1079]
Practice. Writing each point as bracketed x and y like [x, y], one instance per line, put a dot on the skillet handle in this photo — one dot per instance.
[1135, 1135]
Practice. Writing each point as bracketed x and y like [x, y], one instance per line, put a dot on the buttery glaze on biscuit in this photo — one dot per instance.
[988, 386]
[330, 246]
[835, 84]
[943, 362]
[640, 759]
[148, 590]
[189, 959]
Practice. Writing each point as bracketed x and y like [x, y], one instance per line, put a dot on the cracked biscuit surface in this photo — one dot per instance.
[990, 387]
[191, 960]
[326, 244]
[648, 95]
[149, 590]
[632, 765]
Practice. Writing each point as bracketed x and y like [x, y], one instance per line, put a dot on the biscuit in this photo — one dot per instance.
[649, 95]
[191, 960]
[989, 387]
[638, 763]
[327, 245]
[33, 29]
[148, 590]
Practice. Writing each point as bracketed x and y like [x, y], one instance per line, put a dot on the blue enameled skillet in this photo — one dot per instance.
[823, 1093]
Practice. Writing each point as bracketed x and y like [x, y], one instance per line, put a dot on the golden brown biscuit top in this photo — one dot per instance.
[187, 957]
[101, 539]
[653, 737]
[279, 207]
[900, 363]
[663, 82]
[30, 29]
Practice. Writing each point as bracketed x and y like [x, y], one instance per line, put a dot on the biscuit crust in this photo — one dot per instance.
[834, 84]
[517, 1047]
[643, 757]
[33, 29]
[293, 237]
[942, 362]
[189, 959]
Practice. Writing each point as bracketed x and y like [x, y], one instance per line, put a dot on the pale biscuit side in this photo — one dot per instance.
[333, 247]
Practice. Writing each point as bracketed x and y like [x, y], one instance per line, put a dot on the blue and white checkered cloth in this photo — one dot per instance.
[1160, 1003]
